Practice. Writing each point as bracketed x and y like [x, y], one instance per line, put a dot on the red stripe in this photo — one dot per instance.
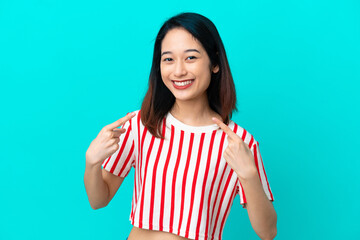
[141, 151]
[243, 135]
[138, 130]
[154, 179]
[139, 147]
[174, 182]
[127, 160]
[184, 181]
[212, 183]
[235, 128]
[267, 182]
[121, 150]
[194, 184]
[107, 161]
[137, 175]
[204, 181]
[226, 214]
[134, 200]
[143, 184]
[251, 141]
[222, 199]
[163, 195]
[132, 208]
[136, 187]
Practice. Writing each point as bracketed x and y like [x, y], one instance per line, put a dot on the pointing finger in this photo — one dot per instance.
[120, 121]
[225, 128]
[118, 132]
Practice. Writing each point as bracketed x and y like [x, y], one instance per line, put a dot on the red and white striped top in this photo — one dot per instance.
[183, 185]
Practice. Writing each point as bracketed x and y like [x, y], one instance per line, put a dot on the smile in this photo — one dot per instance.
[182, 84]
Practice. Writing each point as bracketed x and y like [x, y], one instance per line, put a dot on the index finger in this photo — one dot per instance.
[120, 121]
[224, 127]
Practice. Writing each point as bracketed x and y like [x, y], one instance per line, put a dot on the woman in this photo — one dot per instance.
[190, 159]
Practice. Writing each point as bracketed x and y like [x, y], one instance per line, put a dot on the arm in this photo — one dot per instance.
[100, 185]
[261, 212]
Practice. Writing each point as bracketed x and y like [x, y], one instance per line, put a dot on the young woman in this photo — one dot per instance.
[190, 159]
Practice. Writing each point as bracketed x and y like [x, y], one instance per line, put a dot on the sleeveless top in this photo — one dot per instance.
[182, 184]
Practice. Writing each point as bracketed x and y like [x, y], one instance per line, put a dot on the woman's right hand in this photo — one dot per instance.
[106, 142]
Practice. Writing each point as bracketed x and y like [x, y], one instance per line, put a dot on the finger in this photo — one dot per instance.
[224, 127]
[116, 140]
[120, 121]
[121, 130]
[118, 133]
[122, 125]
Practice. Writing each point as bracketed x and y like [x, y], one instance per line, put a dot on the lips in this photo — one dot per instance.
[182, 84]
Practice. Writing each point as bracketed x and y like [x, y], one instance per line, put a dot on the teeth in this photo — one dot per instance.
[182, 83]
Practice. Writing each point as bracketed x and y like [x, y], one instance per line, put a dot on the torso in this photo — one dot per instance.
[145, 234]
[215, 182]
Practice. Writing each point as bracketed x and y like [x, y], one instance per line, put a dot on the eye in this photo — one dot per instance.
[167, 59]
[191, 57]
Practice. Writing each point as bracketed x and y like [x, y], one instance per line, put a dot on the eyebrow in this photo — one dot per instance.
[188, 50]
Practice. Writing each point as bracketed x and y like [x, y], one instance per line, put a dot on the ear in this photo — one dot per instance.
[215, 69]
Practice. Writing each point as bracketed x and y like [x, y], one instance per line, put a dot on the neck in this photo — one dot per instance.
[195, 112]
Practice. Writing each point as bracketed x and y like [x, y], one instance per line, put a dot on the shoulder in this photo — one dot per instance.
[137, 114]
[133, 121]
[245, 135]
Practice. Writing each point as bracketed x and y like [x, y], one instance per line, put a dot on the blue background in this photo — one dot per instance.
[68, 68]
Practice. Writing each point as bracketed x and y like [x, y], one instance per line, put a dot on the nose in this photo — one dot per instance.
[180, 69]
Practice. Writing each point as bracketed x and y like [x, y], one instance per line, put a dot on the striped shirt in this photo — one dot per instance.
[182, 184]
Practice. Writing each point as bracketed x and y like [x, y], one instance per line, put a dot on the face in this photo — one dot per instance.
[185, 66]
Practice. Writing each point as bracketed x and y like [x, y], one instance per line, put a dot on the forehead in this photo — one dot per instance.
[179, 39]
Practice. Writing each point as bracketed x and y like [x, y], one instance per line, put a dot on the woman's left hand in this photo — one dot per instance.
[237, 154]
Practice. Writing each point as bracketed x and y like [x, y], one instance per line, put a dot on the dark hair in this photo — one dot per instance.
[159, 100]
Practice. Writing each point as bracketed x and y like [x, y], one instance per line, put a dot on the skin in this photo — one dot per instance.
[183, 58]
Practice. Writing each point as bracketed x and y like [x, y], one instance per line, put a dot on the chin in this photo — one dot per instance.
[182, 98]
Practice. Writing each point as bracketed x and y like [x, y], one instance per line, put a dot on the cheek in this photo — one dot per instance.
[205, 74]
[164, 71]
[202, 70]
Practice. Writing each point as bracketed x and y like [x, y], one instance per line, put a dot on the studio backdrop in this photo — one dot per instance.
[68, 68]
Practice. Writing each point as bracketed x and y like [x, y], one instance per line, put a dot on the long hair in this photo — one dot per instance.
[159, 100]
